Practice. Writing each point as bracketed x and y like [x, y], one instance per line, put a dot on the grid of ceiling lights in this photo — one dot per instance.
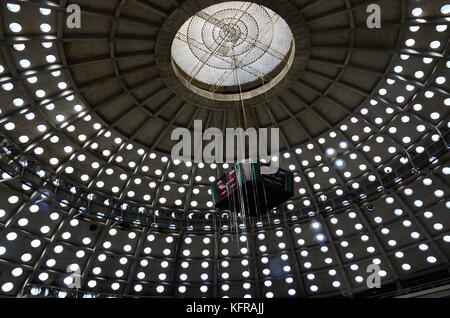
[42, 240]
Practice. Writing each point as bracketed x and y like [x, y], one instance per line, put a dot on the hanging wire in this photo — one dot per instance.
[239, 200]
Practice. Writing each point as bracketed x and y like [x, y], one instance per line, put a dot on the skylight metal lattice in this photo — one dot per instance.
[226, 38]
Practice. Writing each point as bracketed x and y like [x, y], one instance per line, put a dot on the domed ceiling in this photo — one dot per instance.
[88, 185]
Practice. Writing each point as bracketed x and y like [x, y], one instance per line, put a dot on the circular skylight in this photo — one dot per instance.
[233, 48]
